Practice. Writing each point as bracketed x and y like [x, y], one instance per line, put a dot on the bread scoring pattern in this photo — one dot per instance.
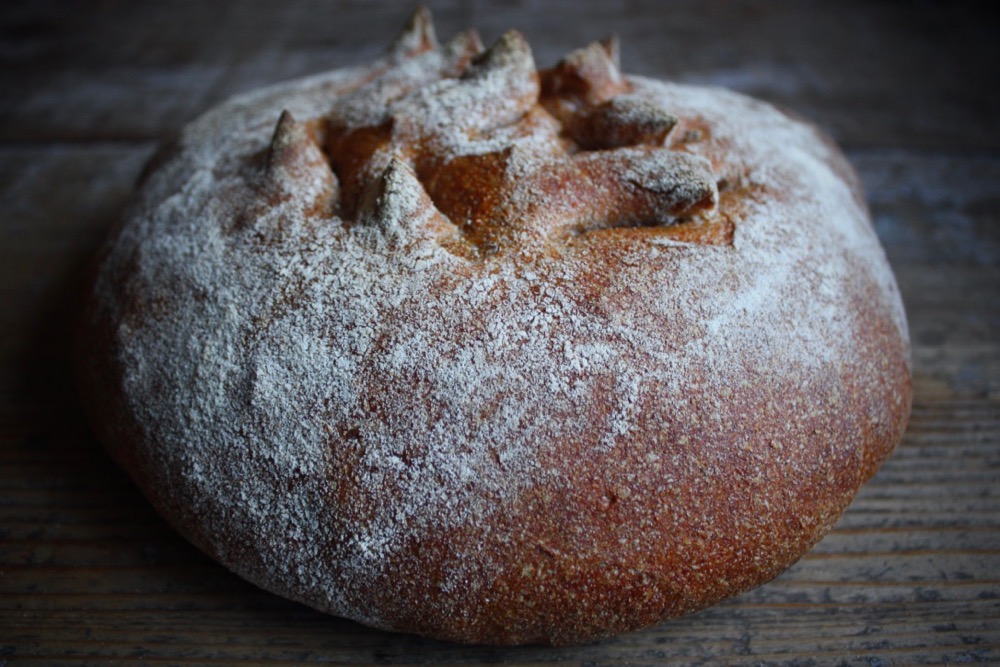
[506, 158]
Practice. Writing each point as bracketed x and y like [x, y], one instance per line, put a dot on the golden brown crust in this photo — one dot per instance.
[453, 346]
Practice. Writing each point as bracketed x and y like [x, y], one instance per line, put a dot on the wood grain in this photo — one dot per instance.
[89, 574]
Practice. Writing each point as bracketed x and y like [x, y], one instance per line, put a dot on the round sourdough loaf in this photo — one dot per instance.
[454, 346]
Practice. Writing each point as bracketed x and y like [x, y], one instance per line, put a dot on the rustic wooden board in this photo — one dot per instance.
[911, 574]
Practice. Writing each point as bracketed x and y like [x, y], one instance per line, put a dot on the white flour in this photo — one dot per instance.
[267, 356]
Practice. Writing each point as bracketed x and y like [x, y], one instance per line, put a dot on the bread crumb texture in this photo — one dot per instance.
[451, 345]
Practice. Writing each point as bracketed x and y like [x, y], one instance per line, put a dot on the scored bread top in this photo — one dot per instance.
[450, 345]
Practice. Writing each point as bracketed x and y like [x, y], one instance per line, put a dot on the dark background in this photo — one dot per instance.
[911, 575]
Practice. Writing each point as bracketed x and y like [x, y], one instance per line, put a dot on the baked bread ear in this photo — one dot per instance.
[453, 346]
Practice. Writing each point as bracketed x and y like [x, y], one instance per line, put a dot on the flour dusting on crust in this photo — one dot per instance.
[430, 409]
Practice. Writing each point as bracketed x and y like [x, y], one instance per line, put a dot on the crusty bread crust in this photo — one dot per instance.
[451, 346]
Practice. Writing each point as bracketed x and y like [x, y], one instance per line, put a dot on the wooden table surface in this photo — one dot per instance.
[911, 574]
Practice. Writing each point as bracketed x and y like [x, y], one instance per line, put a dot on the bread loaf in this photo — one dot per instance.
[454, 346]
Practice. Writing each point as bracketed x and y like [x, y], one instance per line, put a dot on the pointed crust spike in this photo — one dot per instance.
[683, 181]
[511, 40]
[475, 40]
[290, 143]
[398, 177]
[395, 200]
[612, 46]
[285, 117]
[417, 36]
[511, 51]
[590, 73]
[624, 120]
[294, 159]
[398, 206]
[656, 181]
[289, 135]
[468, 41]
[463, 49]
